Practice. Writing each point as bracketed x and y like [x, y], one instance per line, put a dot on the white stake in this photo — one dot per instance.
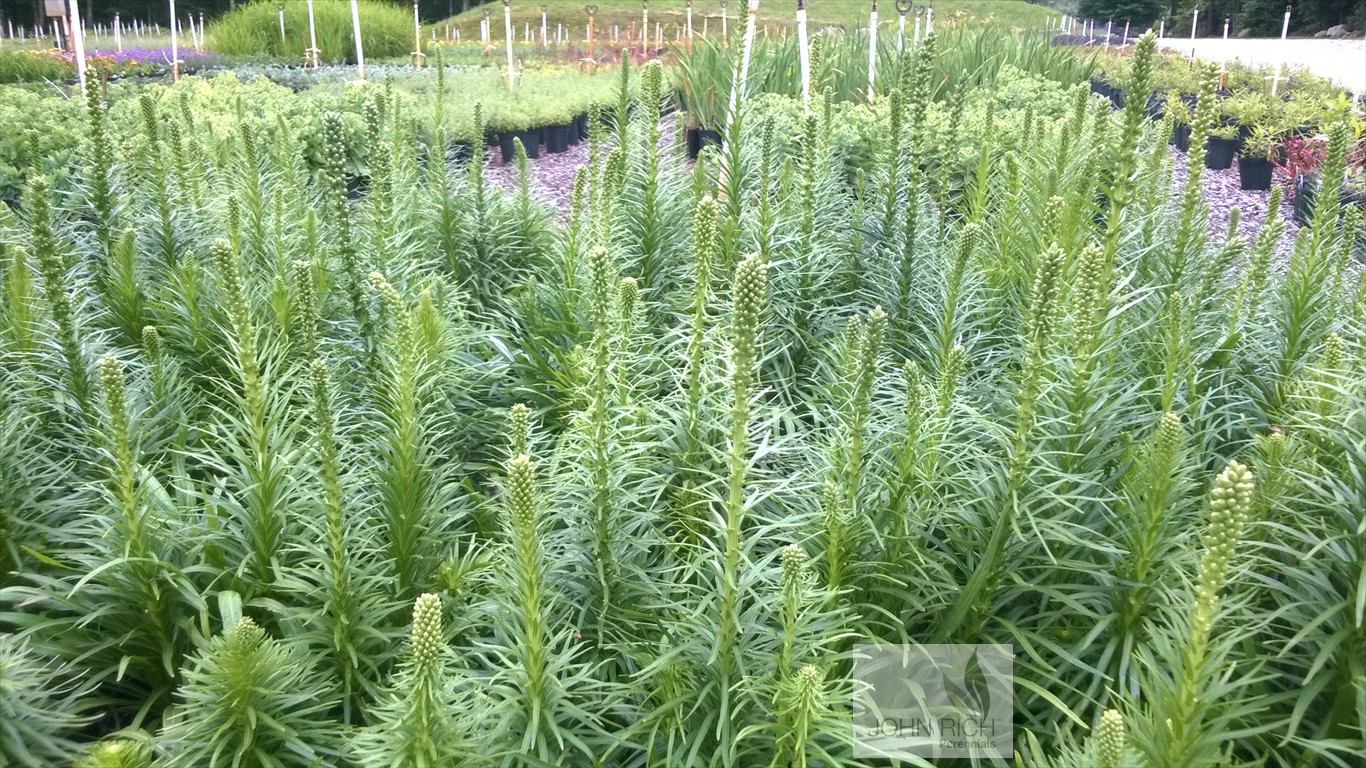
[1161, 29]
[417, 37]
[175, 47]
[1285, 25]
[872, 51]
[929, 21]
[901, 33]
[1107, 34]
[360, 49]
[1223, 60]
[312, 53]
[689, 35]
[118, 34]
[1125, 42]
[644, 19]
[543, 37]
[1195, 19]
[507, 36]
[804, 54]
[78, 39]
[282, 27]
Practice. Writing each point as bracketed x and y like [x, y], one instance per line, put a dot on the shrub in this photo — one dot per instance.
[386, 30]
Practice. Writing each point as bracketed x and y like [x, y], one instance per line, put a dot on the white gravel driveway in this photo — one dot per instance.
[1343, 61]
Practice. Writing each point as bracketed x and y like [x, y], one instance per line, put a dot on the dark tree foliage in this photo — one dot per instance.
[1138, 12]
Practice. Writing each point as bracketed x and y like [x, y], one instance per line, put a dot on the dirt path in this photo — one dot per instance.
[1343, 61]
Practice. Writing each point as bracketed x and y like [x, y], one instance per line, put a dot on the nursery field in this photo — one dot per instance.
[673, 14]
[319, 448]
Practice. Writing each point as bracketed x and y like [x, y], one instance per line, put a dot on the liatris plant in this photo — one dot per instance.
[1155, 490]
[750, 292]
[264, 472]
[349, 589]
[334, 181]
[53, 267]
[122, 285]
[305, 310]
[249, 699]
[1043, 316]
[40, 708]
[408, 482]
[1182, 717]
[119, 753]
[101, 195]
[417, 722]
[801, 701]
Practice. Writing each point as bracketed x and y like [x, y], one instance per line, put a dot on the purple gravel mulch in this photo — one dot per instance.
[552, 175]
[1223, 193]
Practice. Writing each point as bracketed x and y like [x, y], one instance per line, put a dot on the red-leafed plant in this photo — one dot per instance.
[1299, 155]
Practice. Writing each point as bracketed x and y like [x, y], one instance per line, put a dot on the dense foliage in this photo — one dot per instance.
[254, 29]
[428, 478]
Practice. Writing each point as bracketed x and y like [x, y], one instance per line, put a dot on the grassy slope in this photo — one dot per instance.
[775, 13]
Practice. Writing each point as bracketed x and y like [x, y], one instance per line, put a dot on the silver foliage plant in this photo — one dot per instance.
[429, 478]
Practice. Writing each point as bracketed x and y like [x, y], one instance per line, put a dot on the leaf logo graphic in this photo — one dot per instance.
[974, 695]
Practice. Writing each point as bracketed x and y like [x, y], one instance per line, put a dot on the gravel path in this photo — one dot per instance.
[1343, 61]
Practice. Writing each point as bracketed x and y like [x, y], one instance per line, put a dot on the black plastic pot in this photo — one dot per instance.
[459, 151]
[1156, 106]
[1254, 172]
[1100, 88]
[581, 123]
[1118, 96]
[557, 137]
[1219, 153]
[530, 140]
[1307, 190]
[1304, 199]
[357, 186]
[1181, 136]
[698, 138]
